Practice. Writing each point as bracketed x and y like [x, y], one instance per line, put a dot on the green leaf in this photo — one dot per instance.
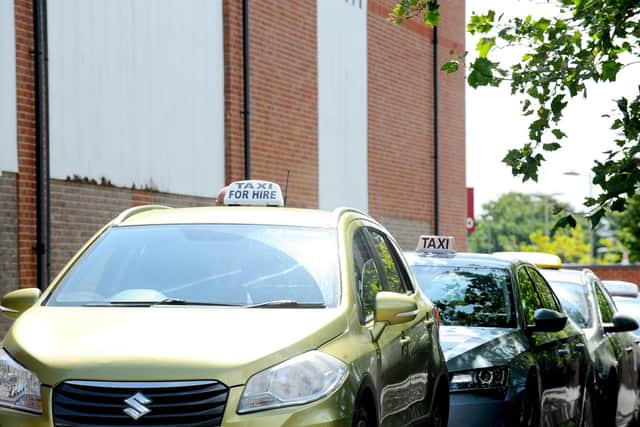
[553, 146]
[558, 133]
[610, 70]
[565, 221]
[484, 45]
[557, 105]
[596, 216]
[450, 66]
[432, 16]
[482, 73]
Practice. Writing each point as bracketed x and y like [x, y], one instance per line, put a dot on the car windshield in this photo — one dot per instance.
[574, 299]
[238, 265]
[469, 296]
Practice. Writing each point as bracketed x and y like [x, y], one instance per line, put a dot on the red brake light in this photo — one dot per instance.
[436, 315]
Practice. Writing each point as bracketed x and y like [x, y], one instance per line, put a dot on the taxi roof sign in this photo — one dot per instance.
[436, 245]
[539, 259]
[253, 192]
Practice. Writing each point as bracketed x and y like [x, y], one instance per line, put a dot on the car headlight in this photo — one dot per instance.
[19, 387]
[302, 379]
[479, 379]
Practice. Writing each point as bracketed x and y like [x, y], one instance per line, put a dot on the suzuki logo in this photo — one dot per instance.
[136, 407]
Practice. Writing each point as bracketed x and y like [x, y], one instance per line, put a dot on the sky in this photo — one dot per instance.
[494, 125]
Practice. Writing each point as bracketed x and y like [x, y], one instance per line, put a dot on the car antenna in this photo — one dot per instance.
[286, 187]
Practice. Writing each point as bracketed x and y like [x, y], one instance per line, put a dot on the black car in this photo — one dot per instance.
[514, 358]
[613, 350]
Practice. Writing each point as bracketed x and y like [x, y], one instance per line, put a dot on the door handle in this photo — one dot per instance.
[405, 340]
[629, 349]
[563, 351]
[579, 346]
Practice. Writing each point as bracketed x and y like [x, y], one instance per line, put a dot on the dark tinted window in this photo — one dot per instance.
[217, 264]
[390, 272]
[606, 307]
[574, 298]
[545, 293]
[529, 296]
[368, 279]
[469, 296]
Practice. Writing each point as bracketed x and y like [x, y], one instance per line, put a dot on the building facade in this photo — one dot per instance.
[145, 105]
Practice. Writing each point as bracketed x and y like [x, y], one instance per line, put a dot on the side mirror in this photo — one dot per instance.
[548, 320]
[391, 309]
[16, 302]
[394, 308]
[621, 323]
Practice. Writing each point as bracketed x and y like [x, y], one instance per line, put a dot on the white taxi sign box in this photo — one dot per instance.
[436, 245]
[253, 193]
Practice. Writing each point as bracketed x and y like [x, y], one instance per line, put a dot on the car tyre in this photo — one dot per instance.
[362, 418]
[530, 407]
[438, 415]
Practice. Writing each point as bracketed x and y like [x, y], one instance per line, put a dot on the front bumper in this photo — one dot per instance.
[471, 409]
[332, 411]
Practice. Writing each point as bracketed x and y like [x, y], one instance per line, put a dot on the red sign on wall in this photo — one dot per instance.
[471, 221]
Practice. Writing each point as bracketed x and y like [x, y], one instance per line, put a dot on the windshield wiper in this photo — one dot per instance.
[167, 301]
[287, 303]
[178, 301]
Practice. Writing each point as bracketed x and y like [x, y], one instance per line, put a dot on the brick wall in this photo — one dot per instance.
[25, 91]
[8, 239]
[452, 186]
[284, 125]
[401, 150]
[630, 273]
[404, 231]
[283, 71]
[233, 90]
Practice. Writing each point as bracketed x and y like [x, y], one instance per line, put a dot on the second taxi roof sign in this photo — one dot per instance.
[436, 244]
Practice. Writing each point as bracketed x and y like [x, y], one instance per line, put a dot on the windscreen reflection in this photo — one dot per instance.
[469, 296]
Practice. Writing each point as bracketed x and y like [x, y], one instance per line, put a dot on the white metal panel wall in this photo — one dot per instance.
[342, 103]
[8, 136]
[137, 92]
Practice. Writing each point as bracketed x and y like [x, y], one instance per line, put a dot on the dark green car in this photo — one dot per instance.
[613, 349]
[513, 356]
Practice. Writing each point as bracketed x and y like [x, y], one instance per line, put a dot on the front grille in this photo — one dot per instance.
[176, 404]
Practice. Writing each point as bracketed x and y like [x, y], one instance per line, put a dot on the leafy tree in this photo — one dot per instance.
[571, 247]
[585, 41]
[628, 222]
[507, 222]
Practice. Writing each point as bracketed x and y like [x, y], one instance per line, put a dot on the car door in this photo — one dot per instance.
[406, 381]
[622, 374]
[569, 367]
[549, 351]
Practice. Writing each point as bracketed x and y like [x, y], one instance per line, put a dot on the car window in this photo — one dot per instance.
[605, 305]
[544, 291]
[528, 295]
[211, 263]
[469, 295]
[368, 280]
[574, 298]
[392, 280]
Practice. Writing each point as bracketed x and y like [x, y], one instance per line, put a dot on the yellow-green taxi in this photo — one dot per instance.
[233, 316]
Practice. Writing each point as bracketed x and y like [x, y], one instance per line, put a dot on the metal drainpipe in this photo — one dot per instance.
[246, 89]
[436, 200]
[42, 143]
